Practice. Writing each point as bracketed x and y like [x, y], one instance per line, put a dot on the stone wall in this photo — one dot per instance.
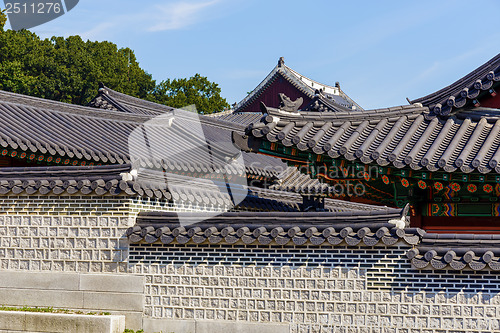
[66, 234]
[69, 233]
[315, 289]
[52, 245]
[71, 252]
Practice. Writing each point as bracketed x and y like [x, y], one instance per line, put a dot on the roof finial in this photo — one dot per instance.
[288, 105]
[281, 62]
[102, 88]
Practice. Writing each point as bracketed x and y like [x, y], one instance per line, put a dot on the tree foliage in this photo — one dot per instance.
[70, 69]
[3, 19]
[197, 90]
[67, 69]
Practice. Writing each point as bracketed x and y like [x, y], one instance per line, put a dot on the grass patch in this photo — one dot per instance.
[51, 310]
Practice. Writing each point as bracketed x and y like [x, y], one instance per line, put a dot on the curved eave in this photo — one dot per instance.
[105, 180]
[462, 92]
[456, 252]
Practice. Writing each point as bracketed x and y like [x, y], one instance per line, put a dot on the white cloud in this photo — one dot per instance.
[151, 18]
[179, 15]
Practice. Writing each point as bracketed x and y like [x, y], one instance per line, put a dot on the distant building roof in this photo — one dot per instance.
[110, 99]
[304, 84]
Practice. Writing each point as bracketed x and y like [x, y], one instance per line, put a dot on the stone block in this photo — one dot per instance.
[42, 298]
[112, 283]
[53, 322]
[39, 280]
[113, 301]
[207, 326]
[12, 320]
[133, 320]
[168, 325]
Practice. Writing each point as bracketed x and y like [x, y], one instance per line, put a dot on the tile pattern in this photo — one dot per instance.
[457, 252]
[351, 227]
[405, 136]
[36, 126]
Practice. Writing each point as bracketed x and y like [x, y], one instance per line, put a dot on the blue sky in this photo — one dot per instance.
[380, 51]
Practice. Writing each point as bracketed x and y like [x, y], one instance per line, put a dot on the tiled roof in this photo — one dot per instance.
[405, 136]
[110, 99]
[217, 127]
[294, 181]
[294, 200]
[242, 118]
[302, 83]
[69, 131]
[462, 92]
[457, 252]
[221, 125]
[76, 180]
[354, 228]
[115, 180]
[65, 131]
[96, 136]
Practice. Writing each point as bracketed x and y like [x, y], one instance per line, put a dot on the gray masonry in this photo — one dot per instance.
[71, 252]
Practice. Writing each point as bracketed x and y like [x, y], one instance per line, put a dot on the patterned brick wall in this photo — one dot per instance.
[68, 234]
[316, 289]
[72, 233]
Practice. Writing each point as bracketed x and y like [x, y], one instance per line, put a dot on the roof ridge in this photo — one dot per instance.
[249, 97]
[131, 99]
[348, 115]
[218, 114]
[306, 77]
[87, 111]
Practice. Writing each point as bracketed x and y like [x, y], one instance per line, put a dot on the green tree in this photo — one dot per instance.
[3, 19]
[68, 69]
[197, 90]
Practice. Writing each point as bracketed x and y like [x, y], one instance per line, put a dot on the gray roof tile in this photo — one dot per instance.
[403, 137]
[354, 228]
[457, 252]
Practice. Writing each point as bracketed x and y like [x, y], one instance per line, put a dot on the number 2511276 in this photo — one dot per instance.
[34, 8]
